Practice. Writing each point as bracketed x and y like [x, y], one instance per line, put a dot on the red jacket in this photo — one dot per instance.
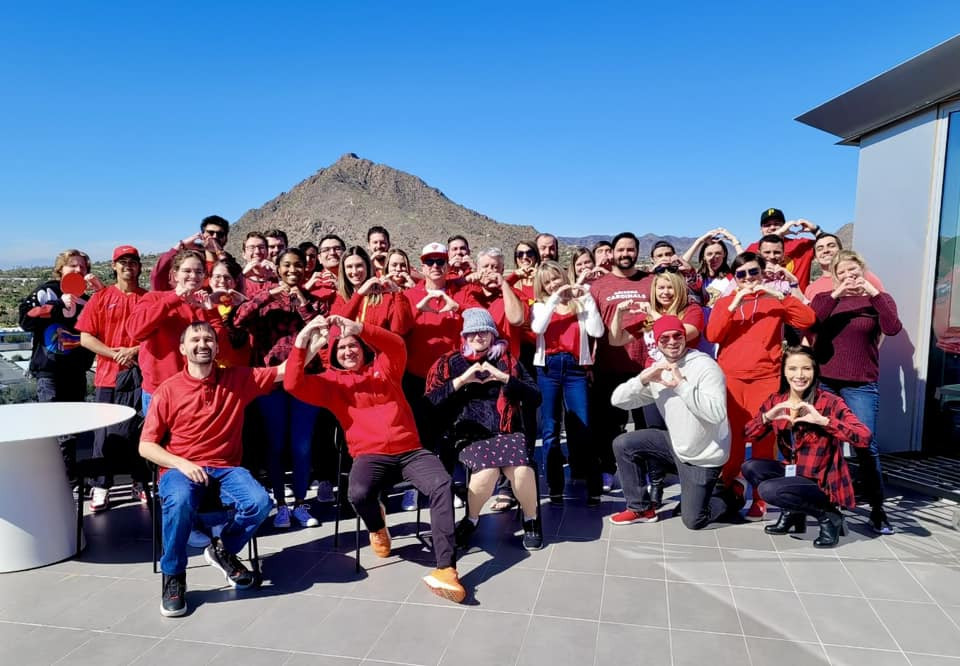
[368, 403]
[751, 336]
[393, 312]
[432, 335]
[157, 322]
[816, 451]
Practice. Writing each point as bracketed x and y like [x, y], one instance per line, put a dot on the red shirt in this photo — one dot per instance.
[203, 418]
[607, 291]
[562, 335]
[393, 312]
[798, 257]
[105, 317]
[433, 334]
[751, 336]
[368, 403]
[156, 322]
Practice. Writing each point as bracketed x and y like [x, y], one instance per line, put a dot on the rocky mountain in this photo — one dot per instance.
[353, 194]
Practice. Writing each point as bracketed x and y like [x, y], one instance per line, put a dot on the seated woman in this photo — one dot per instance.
[482, 388]
[811, 426]
[362, 387]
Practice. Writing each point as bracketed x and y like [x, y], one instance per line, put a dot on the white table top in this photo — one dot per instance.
[38, 420]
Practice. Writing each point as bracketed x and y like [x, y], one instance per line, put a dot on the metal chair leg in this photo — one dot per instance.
[80, 493]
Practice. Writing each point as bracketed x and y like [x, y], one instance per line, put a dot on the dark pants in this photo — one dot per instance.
[374, 472]
[609, 422]
[864, 401]
[120, 453]
[794, 493]
[72, 388]
[649, 451]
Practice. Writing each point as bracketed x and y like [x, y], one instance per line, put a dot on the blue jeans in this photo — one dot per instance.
[563, 387]
[864, 401]
[145, 399]
[288, 422]
[181, 499]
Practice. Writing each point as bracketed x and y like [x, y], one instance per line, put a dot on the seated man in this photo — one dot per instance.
[690, 393]
[192, 433]
[362, 386]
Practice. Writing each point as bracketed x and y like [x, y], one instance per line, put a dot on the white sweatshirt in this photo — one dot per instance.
[695, 411]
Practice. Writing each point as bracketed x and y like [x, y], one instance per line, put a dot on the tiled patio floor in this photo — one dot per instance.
[596, 594]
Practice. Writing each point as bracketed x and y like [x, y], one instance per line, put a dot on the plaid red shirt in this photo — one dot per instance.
[274, 321]
[817, 451]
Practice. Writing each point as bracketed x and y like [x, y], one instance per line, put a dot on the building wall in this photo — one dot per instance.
[894, 227]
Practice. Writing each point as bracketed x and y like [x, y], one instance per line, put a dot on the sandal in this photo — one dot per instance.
[503, 503]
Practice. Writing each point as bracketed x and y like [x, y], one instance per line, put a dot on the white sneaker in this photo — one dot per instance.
[282, 519]
[315, 484]
[302, 515]
[198, 539]
[457, 501]
[325, 492]
[287, 492]
[409, 501]
[608, 481]
[101, 499]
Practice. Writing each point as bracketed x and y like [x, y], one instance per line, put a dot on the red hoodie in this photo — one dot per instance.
[393, 312]
[369, 403]
[750, 337]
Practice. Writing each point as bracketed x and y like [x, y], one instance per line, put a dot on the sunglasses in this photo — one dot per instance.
[434, 261]
[218, 234]
[669, 268]
[526, 253]
[752, 272]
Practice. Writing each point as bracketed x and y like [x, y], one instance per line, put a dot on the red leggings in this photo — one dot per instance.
[744, 398]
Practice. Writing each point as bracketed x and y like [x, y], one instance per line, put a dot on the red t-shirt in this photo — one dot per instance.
[105, 318]
[607, 291]
[202, 419]
[562, 335]
[798, 257]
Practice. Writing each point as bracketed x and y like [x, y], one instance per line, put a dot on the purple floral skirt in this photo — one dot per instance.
[506, 450]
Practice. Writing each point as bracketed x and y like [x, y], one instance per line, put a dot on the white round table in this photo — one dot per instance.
[37, 510]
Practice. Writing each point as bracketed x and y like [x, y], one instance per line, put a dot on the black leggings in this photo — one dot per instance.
[793, 493]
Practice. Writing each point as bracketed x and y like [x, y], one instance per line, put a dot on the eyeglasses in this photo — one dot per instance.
[526, 253]
[434, 261]
[328, 250]
[752, 272]
[255, 246]
[669, 268]
[671, 337]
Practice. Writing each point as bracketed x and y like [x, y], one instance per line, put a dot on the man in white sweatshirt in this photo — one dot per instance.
[689, 390]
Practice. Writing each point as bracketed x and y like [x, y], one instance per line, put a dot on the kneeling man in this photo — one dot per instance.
[689, 390]
[192, 433]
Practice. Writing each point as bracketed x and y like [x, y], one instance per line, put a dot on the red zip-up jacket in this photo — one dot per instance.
[750, 337]
[368, 403]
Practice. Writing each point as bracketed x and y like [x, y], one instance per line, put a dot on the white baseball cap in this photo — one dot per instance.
[433, 249]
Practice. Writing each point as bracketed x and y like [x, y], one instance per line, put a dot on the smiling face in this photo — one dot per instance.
[128, 268]
[583, 263]
[397, 264]
[524, 256]
[349, 353]
[799, 372]
[330, 252]
[772, 253]
[199, 345]
[274, 247]
[672, 344]
[435, 267]
[663, 256]
[221, 280]
[547, 245]
[552, 281]
[190, 274]
[378, 244]
[824, 250]
[713, 256]
[625, 254]
[480, 341]
[664, 292]
[291, 270]
[848, 270]
[355, 269]
[748, 275]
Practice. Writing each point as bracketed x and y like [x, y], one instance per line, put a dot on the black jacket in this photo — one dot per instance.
[56, 341]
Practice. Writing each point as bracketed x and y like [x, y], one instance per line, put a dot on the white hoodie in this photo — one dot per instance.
[695, 411]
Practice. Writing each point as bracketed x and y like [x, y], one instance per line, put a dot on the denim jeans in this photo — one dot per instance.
[181, 499]
[145, 399]
[563, 386]
[649, 451]
[288, 422]
[864, 401]
[64, 389]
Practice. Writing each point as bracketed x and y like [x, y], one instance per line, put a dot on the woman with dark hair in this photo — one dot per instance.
[748, 326]
[310, 253]
[480, 390]
[810, 426]
[526, 258]
[364, 297]
[274, 317]
[850, 323]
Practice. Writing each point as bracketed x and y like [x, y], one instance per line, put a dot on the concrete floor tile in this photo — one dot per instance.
[702, 608]
[570, 595]
[558, 642]
[846, 621]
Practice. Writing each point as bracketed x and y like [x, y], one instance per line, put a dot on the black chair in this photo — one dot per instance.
[210, 504]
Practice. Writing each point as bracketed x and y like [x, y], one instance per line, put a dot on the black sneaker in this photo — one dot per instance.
[237, 575]
[465, 530]
[174, 600]
[532, 535]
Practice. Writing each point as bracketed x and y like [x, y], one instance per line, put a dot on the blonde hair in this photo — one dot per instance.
[846, 255]
[64, 258]
[680, 295]
[548, 270]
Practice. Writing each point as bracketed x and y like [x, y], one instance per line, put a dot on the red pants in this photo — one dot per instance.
[744, 398]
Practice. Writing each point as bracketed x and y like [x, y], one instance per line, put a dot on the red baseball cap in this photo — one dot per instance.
[124, 251]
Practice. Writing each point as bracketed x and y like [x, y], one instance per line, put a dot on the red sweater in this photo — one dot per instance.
[848, 334]
[751, 336]
[433, 334]
[203, 418]
[156, 323]
[368, 403]
[393, 312]
[105, 318]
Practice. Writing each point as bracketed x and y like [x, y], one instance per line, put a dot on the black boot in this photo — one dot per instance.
[656, 494]
[878, 521]
[789, 520]
[832, 527]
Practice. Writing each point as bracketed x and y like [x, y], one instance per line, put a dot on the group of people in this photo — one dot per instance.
[459, 363]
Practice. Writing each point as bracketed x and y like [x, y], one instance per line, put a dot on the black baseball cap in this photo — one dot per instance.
[771, 214]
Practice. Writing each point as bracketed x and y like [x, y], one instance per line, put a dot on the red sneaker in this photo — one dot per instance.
[757, 511]
[628, 516]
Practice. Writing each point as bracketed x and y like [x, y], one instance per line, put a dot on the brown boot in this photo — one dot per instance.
[446, 583]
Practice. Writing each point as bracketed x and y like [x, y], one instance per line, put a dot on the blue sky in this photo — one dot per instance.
[129, 124]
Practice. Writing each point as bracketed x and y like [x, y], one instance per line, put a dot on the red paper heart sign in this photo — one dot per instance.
[73, 284]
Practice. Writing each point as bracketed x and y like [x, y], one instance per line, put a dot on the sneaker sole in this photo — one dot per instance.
[635, 520]
[442, 590]
[235, 585]
[99, 508]
[172, 613]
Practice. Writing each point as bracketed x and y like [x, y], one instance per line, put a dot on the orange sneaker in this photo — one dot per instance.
[446, 583]
[380, 542]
